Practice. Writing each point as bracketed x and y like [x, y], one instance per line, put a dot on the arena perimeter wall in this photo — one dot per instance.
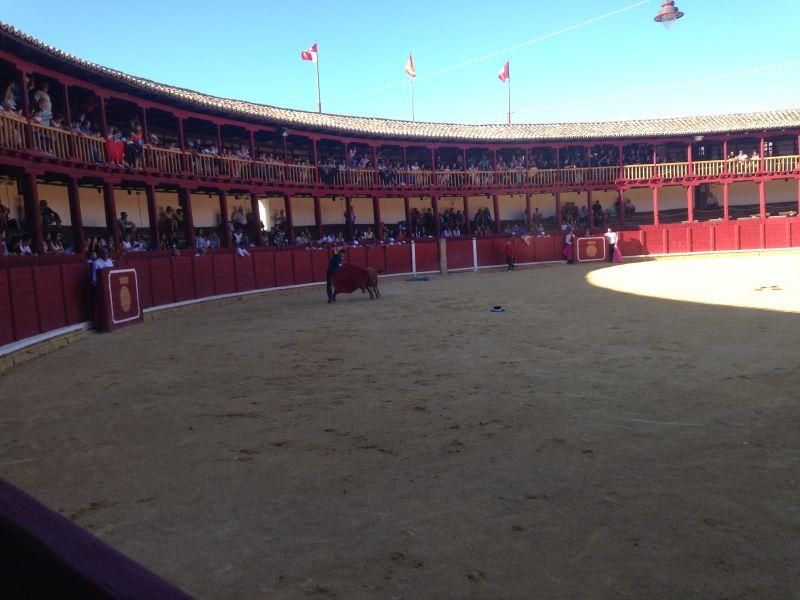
[47, 294]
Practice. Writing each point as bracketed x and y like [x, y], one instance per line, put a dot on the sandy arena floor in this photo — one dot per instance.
[584, 444]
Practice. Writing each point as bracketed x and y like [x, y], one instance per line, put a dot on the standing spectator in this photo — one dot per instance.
[103, 262]
[50, 219]
[510, 255]
[612, 238]
[126, 226]
[242, 250]
[4, 251]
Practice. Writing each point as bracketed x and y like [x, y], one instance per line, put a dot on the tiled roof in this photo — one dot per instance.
[396, 129]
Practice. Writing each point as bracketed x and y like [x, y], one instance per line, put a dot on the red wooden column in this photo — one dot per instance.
[185, 199]
[182, 144]
[318, 216]
[725, 156]
[26, 107]
[376, 213]
[467, 219]
[621, 165]
[316, 162]
[255, 208]
[111, 212]
[621, 201]
[348, 222]
[496, 202]
[589, 208]
[436, 218]
[68, 117]
[73, 192]
[103, 117]
[289, 218]
[152, 211]
[689, 156]
[559, 220]
[725, 201]
[690, 202]
[407, 209]
[528, 215]
[655, 205]
[224, 222]
[798, 196]
[33, 213]
[762, 199]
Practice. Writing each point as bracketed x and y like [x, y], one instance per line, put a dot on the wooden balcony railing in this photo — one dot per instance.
[51, 140]
[708, 168]
[543, 177]
[637, 172]
[364, 178]
[672, 170]
[237, 168]
[299, 174]
[90, 149]
[163, 160]
[12, 131]
[746, 166]
[780, 164]
[268, 171]
[205, 165]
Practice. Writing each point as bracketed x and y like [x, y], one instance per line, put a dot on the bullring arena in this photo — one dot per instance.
[617, 430]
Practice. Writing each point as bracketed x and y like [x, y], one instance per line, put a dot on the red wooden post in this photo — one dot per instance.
[655, 205]
[68, 124]
[690, 202]
[145, 126]
[558, 174]
[26, 107]
[655, 162]
[219, 138]
[798, 196]
[407, 208]
[252, 136]
[762, 199]
[152, 211]
[725, 201]
[316, 162]
[435, 210]
[224, 222]
[103, 117]
[621, 201]
[761, 162]
[185, 199]
[348, 220]
[559, 220]
[255, 209]
[527, 212]
[496, 203]
[725, 156]
[111, 212]
[375, 175]
[467, 220]
[289, 217]
[589, 208]
[73, 192]
[318, 217]
[691, 162]
[621, 164]
[33, 213]
[182, 143]
[376, 213]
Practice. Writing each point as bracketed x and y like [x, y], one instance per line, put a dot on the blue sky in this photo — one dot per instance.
[621, 67]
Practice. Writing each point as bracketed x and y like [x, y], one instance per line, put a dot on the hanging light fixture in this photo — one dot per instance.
[669, 14]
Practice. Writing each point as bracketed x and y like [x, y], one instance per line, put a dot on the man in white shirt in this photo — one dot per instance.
[102, 262]
[612, 238]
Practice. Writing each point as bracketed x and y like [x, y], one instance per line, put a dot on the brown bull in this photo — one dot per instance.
[349, 278]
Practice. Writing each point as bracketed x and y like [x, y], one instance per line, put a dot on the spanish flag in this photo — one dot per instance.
[410, 70]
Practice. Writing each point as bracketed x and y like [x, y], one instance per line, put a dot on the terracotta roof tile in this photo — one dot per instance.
[367, 126]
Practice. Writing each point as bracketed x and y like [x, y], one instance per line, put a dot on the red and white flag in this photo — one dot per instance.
[505, 73]
[409, 68]
[310, 54]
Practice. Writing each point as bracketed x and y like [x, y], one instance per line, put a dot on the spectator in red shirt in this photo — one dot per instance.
[510, 255]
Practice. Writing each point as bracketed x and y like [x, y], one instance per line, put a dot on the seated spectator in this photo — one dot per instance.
[25, 246]
[242, 250]
[213, 240]
[630, 208]
[103, 261]
[711, 202]
[127, 243]
[201, 251]
[11, 97]
[138, 244]
[41, 97]
[126, 226]
[4, 249]
[200, 240]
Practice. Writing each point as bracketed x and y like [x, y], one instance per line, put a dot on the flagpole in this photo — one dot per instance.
[412, 99]
[509, 95]
[319, 95]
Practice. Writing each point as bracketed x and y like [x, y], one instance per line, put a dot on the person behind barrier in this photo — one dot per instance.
[333, 265]
[611, 237]
[510, 255]
[102, 262]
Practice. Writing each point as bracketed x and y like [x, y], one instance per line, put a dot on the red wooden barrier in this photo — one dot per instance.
[725, 236]
[357, 256]
[398, 259]
[6, 317]
[302, 267]
[544, 249]
[203, 273]
[749, 235]
[245, 273]
[777, 233]
[224, 276]
[161, 281]
[49, 297]
[23, 302]
[524, 253]
[74, 278]
[701, 239]
[459, 253]
[427, 256]
[284, 269]
[183, 279]
[264, 263]
[485, 253]
[376, 258]
[319, 265]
